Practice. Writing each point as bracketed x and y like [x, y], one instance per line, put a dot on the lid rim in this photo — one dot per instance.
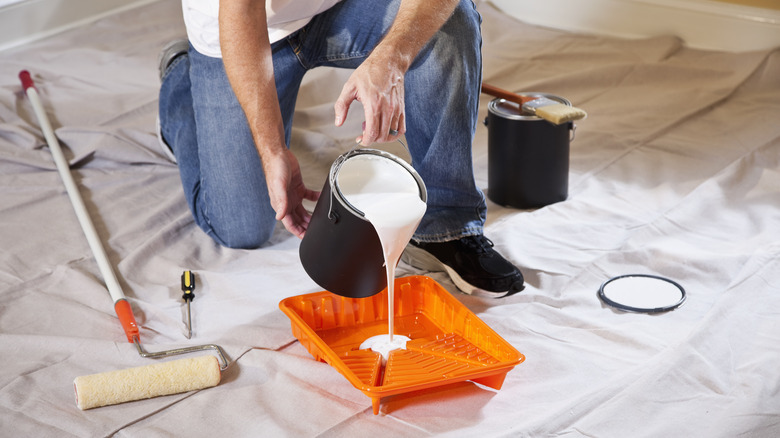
[493, 106]
[627, 308]
[336, 166]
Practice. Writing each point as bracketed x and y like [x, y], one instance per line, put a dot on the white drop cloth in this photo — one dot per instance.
[676, 172]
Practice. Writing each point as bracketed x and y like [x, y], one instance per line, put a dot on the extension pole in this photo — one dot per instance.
[121, 306]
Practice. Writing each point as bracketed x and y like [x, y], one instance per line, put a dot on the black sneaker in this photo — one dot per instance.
[171, 51]
[472, 264]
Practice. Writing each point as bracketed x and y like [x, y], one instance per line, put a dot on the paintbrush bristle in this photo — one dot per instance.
[560, 113]
[553, 111]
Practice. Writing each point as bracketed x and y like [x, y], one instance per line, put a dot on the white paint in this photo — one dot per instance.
[389, 196]
[383, 345]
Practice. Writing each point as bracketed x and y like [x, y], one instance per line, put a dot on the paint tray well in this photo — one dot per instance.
[448, 343]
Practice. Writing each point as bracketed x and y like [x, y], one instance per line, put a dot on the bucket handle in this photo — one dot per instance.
[333, 215]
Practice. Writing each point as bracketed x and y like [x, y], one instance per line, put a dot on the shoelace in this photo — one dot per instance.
[480, 243]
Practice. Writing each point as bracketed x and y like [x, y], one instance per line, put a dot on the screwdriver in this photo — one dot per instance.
[188, 287]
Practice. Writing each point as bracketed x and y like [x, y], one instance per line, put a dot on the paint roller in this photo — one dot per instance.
[138, 383]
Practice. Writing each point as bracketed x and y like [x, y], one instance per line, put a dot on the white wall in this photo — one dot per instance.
[8, 2]
[700, 23]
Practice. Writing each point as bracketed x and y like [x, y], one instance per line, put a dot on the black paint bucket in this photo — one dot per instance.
[528, 157]
[341, 250]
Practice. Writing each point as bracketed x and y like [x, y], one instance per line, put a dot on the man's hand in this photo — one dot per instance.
[379, 81]
[287, 191]
[378, 84]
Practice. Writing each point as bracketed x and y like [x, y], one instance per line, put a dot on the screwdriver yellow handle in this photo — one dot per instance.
[188, 285]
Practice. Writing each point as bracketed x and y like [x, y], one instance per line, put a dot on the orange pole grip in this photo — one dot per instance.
[127, 319]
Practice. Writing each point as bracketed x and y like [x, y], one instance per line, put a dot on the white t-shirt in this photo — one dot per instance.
[284, 17]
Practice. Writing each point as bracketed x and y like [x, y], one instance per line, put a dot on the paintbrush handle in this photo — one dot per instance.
[504, 94]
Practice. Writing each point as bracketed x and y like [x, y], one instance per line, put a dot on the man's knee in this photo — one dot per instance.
[241, 232]
[466, 19]
[459, 39]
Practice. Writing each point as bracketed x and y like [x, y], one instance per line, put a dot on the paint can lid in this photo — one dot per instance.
[511, 110]
[642, 293]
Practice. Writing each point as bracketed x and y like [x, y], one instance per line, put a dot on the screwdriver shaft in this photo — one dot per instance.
[189, 321]
[188, 287]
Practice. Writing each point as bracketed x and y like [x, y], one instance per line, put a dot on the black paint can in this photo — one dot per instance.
[341, 250]
[528, 157]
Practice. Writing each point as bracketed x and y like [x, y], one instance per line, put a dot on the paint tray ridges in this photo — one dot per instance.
[365, 364]
[453, 346]
[407, 367]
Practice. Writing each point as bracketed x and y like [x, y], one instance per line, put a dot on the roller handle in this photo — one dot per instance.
[504, 94]
[121, 306]
[26, 79]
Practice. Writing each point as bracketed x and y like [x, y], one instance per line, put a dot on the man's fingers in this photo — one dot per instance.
[297, 222]
[343, 103]
[341, 112]
[293, 227]
[397, 126]
[279, 205]
[311, 195]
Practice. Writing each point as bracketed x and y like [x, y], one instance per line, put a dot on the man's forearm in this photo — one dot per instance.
[415, 24]
[246, 54]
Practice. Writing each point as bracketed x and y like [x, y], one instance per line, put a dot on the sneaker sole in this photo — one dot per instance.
[422, 259]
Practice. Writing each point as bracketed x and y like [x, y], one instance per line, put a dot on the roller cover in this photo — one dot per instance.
[149, 381]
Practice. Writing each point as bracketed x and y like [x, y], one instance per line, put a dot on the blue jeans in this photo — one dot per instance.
[220, 169]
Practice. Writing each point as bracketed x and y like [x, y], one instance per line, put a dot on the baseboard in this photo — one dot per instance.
[30, 20]
[701, 24]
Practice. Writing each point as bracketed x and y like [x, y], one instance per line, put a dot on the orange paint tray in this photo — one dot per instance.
[448, 343]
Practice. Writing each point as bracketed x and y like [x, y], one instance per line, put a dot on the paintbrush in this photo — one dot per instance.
[548, 109]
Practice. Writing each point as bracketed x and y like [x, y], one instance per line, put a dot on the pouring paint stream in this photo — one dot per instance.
[389, 197]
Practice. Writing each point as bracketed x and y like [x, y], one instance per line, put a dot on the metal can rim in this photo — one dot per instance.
[493, 106]
[336, 166]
